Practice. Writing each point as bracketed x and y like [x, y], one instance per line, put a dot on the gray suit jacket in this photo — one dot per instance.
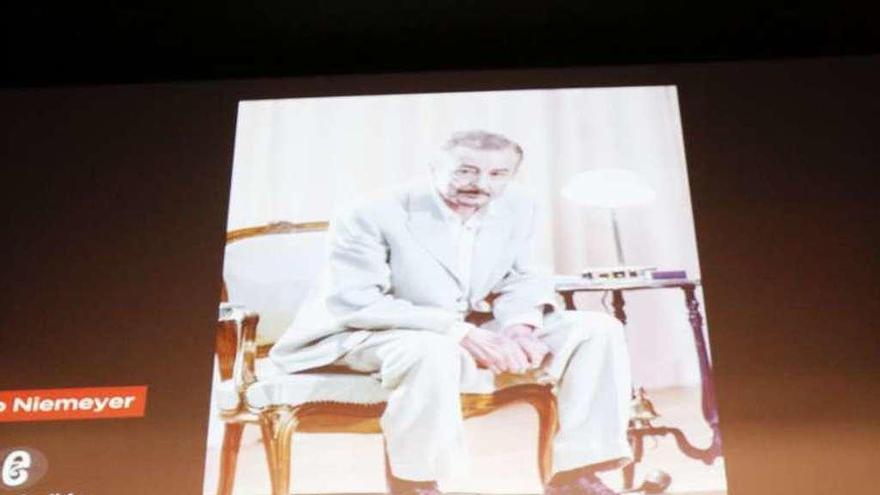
[393, 265]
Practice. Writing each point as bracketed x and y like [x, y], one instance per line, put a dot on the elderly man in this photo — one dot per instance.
[406, 269]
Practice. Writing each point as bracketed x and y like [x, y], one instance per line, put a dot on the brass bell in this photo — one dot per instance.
[482, 306]
[643, 411]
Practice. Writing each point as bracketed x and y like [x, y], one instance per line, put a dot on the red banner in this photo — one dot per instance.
[73, 403]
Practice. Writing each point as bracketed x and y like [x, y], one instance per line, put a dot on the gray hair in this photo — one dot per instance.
[482, 140]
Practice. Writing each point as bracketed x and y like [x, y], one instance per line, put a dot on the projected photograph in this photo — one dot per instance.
[477, 292]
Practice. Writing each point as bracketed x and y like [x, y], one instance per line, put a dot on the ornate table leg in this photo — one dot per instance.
[568, 299]
[636, 437]
[617, 303]
[636, 441]
[710, 410]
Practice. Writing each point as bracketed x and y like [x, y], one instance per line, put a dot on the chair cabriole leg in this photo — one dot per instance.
[229, 457]
[546, 407]
[278, 425]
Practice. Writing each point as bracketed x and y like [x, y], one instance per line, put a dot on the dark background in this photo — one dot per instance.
[103, 42]
[115, 202]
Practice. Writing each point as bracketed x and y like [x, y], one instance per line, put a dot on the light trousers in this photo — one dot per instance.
[426, 372]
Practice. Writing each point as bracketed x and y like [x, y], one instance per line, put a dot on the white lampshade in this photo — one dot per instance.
[608, 188]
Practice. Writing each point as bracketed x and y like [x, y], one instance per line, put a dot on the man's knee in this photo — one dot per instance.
[425, 352]
[587, 325]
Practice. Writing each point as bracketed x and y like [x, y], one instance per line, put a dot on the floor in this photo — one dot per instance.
[503, 458]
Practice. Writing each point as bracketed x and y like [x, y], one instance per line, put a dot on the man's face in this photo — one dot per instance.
[471, 178]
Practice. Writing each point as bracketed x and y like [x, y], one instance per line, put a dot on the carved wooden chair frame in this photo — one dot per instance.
[238, 350]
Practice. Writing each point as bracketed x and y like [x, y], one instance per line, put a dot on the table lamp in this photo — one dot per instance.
[609, 189]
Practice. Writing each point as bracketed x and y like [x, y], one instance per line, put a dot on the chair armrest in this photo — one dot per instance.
[237, 344]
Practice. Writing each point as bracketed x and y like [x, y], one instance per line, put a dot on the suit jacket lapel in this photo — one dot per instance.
[428, 226]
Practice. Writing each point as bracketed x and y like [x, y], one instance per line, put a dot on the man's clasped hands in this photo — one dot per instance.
[515, 349]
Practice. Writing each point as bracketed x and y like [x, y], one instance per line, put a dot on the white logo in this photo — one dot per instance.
[15, 468]
[2, 406]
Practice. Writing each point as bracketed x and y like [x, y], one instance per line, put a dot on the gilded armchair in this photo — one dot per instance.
[326, 400]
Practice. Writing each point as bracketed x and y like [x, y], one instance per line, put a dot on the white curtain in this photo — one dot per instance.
[300, 159]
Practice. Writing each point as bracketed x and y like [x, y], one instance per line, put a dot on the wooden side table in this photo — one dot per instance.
[569, 286]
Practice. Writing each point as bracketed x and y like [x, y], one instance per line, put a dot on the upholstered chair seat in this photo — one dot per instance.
[274, 387]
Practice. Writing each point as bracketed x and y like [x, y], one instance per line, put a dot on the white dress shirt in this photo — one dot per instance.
[464, 235]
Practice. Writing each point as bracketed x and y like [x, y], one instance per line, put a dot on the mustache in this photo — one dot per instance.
[472, 191]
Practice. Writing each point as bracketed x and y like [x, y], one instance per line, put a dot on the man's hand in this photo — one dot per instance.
[524, 338]
[514, 331]
[515, 349]
[487, 349]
